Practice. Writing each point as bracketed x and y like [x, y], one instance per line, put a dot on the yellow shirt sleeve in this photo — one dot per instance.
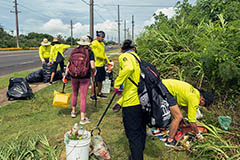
[193, 104]
[126, 68]
[41, 52]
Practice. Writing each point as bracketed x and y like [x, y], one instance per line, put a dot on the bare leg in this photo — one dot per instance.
[177, 117]
[82, 115]
[92, 88]
[52, 76]
[73, 109]
[99, 88]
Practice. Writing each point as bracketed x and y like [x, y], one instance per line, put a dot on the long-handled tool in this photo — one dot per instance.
[99, 122]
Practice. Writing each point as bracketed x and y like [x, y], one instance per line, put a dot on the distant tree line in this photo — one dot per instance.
[33, 39]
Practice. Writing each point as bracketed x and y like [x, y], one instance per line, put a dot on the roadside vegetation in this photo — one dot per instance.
[200, 45]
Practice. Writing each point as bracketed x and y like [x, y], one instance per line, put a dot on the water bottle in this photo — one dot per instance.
[81, 132]
[75, 129]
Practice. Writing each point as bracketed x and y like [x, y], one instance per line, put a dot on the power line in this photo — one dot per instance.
[99, 15]
[35, 12]
[85, 2]
[139, 5]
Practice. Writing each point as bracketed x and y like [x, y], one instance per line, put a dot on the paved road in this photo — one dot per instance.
[17, 61]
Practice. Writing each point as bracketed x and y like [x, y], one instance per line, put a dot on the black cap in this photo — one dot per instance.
[208, 97]
[100, 34]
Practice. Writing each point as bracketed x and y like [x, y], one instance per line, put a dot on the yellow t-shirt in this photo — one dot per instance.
[57, 48]
[185, 95]
[129, 67]
[44, 51]
[99, 53]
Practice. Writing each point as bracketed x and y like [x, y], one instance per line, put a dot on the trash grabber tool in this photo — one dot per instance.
[99, 122]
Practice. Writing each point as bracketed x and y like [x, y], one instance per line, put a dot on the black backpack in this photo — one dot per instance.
[152, 96]
[18, 88]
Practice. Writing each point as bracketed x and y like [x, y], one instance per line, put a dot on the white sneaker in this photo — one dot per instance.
[85, 121]
[73, 115]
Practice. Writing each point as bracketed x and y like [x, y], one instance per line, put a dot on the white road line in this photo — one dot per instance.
[27, 62]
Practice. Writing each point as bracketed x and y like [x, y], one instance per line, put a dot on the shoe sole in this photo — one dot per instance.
[103, 97]
[168, 145]
[84, 122]
[92, 99]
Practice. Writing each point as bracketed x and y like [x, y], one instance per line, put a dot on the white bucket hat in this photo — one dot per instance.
[45, 42]
[84, 41]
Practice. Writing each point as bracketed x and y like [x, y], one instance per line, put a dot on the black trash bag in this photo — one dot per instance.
[35, 76]
[18, 88]
[46, 72]
[58, 76]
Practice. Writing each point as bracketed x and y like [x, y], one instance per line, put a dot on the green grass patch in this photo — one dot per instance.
[5, 79]
[27, 118]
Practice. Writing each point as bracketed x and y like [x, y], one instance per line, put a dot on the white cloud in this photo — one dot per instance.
[169, 12]
[56, 26]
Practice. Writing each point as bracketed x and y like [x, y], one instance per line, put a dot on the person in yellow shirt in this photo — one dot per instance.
[44, 50]
[57, 57]
[183, 94]
[98, 49]
[133, 117]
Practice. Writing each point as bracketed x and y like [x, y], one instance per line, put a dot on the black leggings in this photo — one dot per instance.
[55, 65]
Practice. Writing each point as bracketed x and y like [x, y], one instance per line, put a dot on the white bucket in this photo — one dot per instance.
[77, 149]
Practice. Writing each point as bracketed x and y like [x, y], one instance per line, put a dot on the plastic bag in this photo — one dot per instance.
[99, 148]
[46, 72]
[225, 121]
[18, 88]
[35, 76]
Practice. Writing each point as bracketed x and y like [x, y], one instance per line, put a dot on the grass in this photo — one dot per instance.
[5, 79]
[37, 116]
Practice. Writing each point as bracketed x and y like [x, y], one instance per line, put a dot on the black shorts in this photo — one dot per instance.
[101, 73]
[170, 99]
[55, 65]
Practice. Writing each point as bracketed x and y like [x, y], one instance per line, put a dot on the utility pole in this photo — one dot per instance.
[118, 25]
[125, 30]
[71, 33]
[132, 27]
[17, 28]
[91, 20]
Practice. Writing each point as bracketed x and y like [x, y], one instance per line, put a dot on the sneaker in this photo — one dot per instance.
[85, 121]
[102, 96]
[171, 144]
[93, 98]
[116, 108]
[50, 83]
[73, 114]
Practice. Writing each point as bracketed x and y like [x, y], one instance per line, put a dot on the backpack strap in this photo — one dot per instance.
[140, 68]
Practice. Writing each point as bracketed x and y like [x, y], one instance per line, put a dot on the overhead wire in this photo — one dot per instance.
[85, 2]
[35, 12]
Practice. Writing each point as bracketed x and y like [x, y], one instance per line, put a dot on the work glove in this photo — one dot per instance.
[110, 66]
[199, 136]
[118, 91]
[65, 78]
[92, 74]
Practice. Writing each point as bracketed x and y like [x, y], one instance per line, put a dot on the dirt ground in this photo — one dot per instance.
[3, 92]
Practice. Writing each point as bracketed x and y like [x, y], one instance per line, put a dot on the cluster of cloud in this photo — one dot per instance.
[57, 26]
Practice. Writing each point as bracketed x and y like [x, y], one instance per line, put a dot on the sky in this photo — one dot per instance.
[53, 16]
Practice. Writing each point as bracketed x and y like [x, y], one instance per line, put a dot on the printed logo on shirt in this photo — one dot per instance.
[125, 59]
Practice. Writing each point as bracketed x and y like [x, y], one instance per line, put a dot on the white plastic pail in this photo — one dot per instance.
[77, 149]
